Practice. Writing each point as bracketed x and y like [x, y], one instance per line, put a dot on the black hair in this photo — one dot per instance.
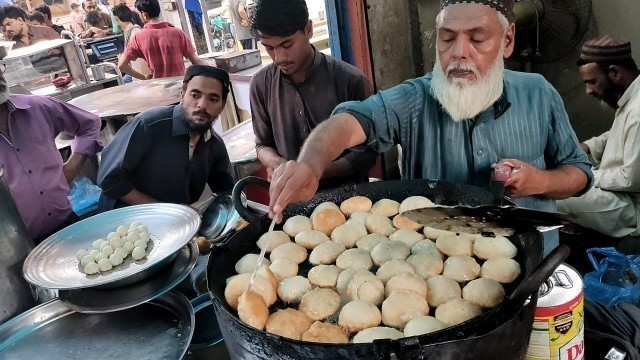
[84, 1]
[37, 16]
[74, 6]
[93, 18]
[12, 12]
[151, 7]
[123, 13]
[280, 18]
[604, 66]
[210, 72]
[44, 9]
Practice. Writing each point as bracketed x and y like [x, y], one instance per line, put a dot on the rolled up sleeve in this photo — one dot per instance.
[84, 125]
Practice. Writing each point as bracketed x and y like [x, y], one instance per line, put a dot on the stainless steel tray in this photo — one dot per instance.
[160, 329]
[92, 301]
[53, 263]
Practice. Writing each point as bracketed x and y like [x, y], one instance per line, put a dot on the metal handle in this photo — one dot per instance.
[247, 214]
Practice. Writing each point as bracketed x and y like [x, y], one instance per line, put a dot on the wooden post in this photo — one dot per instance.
[359, 29]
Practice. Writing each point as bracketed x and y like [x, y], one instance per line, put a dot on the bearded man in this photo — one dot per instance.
[169, 154]
[459, 121]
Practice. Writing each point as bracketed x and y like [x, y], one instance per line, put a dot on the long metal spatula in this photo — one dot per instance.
[263, 252]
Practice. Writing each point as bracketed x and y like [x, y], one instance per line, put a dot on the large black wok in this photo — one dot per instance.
[500, 333]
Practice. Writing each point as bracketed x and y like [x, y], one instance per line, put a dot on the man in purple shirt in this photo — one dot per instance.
[32, 165]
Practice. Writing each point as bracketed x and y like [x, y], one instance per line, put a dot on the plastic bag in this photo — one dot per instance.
[84, 195]
[615, 279]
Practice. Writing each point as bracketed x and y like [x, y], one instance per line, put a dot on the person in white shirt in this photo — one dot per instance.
[611, 206]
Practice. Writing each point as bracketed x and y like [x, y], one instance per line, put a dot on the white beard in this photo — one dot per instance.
[464, 99]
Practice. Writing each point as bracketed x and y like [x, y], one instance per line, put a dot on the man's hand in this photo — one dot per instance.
[585, 148]
[291, 182]
[98, 31]
[148, 76]
[525, 180]
[273, 165]
[70, 170]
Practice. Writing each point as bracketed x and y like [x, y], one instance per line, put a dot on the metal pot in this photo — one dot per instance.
[97, 72]
[499, 331]
[15, 244]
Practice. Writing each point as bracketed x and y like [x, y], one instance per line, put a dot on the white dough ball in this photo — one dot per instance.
[323, 206]
[370, 241]
[100, 256]
[502, 270]
[96, 244]
[348, 233]
[485, 293]
[248, 263]
[378, 224]
[441, 290]
[87, 259]
[434, 234]
[122, 252]
[112, 235]
[376, 333]
[297, 224]
[91, 268]
[406, 281]
[415, 202]
[427, 246]
[457, 311]
[356, 204]
[452, 245]
[277, 238]
[94, 253]
[385, 207]
[107, 250]
[326, 253]
[121, 231]
[402, 306]
[366, 287]
[393, 267]
[105, 244]
[128, 247]
[291, 290]
[105, 265]
[133, 237]
[319, 304]
[309, 239]
[144, 236]
[359, 217]
[426, 264]
[143, 229]
[138, 253]
[237, 285]
[355, 258]
[359, 315]
[283, 269]
[291, 251]
[80, 254]
[141, 244]
[409, 237]
[116, 259]
[389, 250]
[115, 243]
[345, 278]
[401, 222]
[134, 225]
[324, 276]
[461, 268]
[423, 325]
[498, 247]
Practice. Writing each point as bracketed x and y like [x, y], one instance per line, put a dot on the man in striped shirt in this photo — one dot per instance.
[459, 121]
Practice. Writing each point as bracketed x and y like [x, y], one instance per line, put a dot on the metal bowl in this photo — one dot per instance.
[53, 263]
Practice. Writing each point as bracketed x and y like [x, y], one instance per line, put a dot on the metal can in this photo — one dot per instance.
[558, 326]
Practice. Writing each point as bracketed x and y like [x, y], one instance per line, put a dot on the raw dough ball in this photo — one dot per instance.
[402, 306]
[359, 217]
[134, 225]
[309, 239]
[406, 281]
[426, 264]
[291, 251]
[498, 247]
[348, 233]
[502, 270]
[96, 244]
[80, 254]
[393, 267]
[252, 310]
[100, 257]
[105, 265]
[116, 259]
[325, 333]
[370, 241]
[122, 252]
[323, 206]
[327, 220]
[326, 253]
[379, 224]
[385, 207]
[389, 250]
[423, 325]
[87, 259]
[457, 311]
[324, 276]
[288, 323]
[401, 222]
[461, 268]
[296, 224]
[319, 303]
[105, 244]
[107, 250]
[277, 238]
[268, 274]
[441, 290]
[415, 202]
[345, 278]
[248, 263]
[434, 234]
[94, 252]
[128, 247]
[138, 253]
[122, 230]
[355, 204]
[376, 333]
[409, 237]
[113, 235]
[366, 287]
[291, 290]
[454, 245]
[485, 293]
[115, 243]
[140, 243]
[355, 258]
[133, 231]
[132, 237]
[238, 284]
[359, 315]
[91, 268]
[143, 229]
[283, 269]
[144, 236]
[427, 246]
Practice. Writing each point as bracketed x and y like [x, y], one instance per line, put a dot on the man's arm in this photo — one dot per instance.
[244, 14]
[595, 146]
[626, 176]
[124, 64]
[270, 159]
[195, 60]
[527, 180]
[262, 126]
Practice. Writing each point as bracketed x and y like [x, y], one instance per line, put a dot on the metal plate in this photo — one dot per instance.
[160, 329]
[92, 301]
[214, 219]
[53, 263]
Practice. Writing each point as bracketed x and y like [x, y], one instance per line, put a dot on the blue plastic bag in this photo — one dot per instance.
[84, 195]
[615, 279]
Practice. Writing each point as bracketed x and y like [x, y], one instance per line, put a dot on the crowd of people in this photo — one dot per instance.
[319, 124]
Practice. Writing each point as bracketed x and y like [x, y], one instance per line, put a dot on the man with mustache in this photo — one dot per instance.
[459, 121]
[32, 166]
[94, 23]
[169, 154]
[17, 27]
[611, 75]
[290, 97]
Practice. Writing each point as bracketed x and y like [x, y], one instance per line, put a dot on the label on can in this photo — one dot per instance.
[558, 327]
